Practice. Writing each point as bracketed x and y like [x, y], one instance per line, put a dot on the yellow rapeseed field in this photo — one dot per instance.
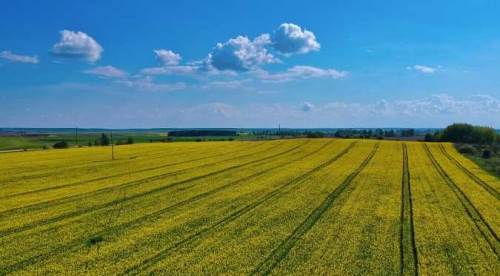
[298, 206]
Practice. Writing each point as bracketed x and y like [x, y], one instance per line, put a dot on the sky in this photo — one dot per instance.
[333, 64]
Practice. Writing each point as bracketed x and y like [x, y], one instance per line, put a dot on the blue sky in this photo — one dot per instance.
[124, 64]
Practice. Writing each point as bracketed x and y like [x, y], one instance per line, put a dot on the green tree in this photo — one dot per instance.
[104, 141]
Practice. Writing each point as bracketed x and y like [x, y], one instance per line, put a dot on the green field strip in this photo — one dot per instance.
[129, 173]
[142, 220]
[408, 248]
[112, 187]
[234, 215]
[33, 224]
[282, 250]
[482, 225]
[476, 179]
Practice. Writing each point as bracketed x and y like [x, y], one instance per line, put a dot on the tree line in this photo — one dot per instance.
[465, 133]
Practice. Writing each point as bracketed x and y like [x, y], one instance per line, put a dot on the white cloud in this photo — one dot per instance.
[423, 69]
[301, 72]
[292, 39]
[307, 106]
[77, 45]
[240, 54]
[148, 84]
[167, 57]
[225, 84]
[107, 71]
[170, 70]
[8, 55]
[212, 109]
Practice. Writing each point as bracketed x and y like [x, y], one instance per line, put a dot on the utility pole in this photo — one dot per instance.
[279, 129]
[112, 147]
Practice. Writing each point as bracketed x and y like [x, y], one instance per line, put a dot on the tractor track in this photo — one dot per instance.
[407, 245]
[34, 224]
[280, 252]
[110, 176]
[62, 200]
[77, 244]
[153, 156]
[233, 216]
[476, 179]
[481, 224]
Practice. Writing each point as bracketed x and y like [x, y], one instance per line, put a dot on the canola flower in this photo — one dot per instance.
[304, 206]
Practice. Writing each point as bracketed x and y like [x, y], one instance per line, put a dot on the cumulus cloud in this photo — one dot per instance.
[293, 39]
[107, 71]
[423, 69]
[167, 57]
[240, 54]
[307, 106]
[8, 55]
[77, 45]
[301, 72]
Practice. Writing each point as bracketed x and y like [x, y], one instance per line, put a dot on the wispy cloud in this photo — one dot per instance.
[301, 72]
[225, 84]
[148, 84]
[423, 69]
[107, 71]
[307, 106]
[433, 111]
[171, 70]
[8, 55]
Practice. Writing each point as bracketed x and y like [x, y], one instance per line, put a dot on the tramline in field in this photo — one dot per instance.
[322, 206]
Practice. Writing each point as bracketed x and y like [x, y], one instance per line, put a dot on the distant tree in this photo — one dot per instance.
[429, 137]
[468, 149]
[389, 133]
[130, 140]
[104, 140]
[408, 132]
[61, 145]
[466, 133]
[458, 133]
[486, 154]
[483, 135]
[315, 134]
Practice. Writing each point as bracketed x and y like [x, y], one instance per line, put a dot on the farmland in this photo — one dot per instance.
[297, 206]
